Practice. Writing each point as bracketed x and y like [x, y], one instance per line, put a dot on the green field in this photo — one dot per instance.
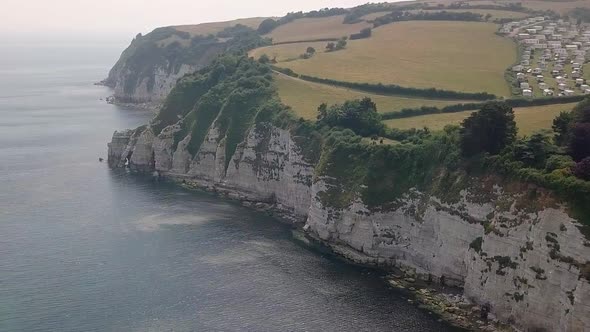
[315, 28]
[287, 52]
[305, 97]
[460, 56]
[528, 119]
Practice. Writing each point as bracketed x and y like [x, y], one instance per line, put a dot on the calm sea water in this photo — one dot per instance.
[83, 248]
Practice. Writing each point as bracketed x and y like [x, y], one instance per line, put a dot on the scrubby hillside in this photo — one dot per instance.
[149, 68]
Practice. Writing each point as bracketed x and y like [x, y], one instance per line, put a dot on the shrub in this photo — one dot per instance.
[556, 162]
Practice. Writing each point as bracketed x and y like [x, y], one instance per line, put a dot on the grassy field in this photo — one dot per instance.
[461, 56]
[215, 27]
[528, 119]
[305, 97]
[287, 52]
[315, 28]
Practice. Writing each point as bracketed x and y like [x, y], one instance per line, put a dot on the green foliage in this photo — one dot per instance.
[341, 44]
[267, 26]
[561, 126]
[381, 174]
[582, 111]
[533, 151]
[488, 130]
[400, 15]
[365, 33]
[392, 89]
[519, 102]
[358, 115]
[579, 141]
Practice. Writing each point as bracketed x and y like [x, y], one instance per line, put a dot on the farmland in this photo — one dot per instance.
[315, 28]
[461, 56]
[528, 119]
[305, 97]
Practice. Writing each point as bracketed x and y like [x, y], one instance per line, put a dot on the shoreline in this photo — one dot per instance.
[446, 302]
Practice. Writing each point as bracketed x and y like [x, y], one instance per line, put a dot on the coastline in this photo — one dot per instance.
[446, 302]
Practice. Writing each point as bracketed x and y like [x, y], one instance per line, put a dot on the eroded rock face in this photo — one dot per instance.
[528, 263]
[152, 88]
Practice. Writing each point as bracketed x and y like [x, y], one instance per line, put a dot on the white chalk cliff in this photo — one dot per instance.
[530, 264]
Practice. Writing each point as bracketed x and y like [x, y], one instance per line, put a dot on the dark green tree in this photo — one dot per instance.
[358, 115]
[561, 127]
[330, 47]
[310, 50]
[341, 44]
[488, 130]
[579, 141]
[267, 26]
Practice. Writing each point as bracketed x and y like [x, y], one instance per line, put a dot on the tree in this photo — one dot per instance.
[264, 59]
[341, 44]
[533, 151]
[488, 16]
[488, 130]
[310, 50]
[579, 142]
[330, 47]
[358, 115]
[582, 111]
[582, 169]
[267, 26]
[561, 126]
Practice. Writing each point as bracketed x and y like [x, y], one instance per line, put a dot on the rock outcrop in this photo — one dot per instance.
[526, 260]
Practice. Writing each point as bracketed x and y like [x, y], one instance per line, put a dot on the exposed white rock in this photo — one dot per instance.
[501, 255]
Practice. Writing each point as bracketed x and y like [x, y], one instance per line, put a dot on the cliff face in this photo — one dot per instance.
[149, 68]
[523, 256]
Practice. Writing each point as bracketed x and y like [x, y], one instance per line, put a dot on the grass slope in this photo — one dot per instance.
[461, 56]
[315, 28]
[528, 119]
[215, 27]
[305, 97]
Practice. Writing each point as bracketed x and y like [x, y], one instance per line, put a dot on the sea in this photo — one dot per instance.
[86, 248]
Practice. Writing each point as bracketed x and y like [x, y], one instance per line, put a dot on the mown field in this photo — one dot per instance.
[461, 56]
[305, 97]
[287, 52]
[315, 28]
[528, 119]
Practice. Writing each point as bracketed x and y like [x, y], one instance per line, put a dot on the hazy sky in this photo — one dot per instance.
[125, 18]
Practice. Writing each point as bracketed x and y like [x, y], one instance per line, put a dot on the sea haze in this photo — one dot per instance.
[83, 248]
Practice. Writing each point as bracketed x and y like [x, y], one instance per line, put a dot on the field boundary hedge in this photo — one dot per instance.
[517, 102]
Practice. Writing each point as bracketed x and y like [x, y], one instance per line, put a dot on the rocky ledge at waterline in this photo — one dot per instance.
[524, 259]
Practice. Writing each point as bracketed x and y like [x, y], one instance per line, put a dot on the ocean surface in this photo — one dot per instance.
[84, 248]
